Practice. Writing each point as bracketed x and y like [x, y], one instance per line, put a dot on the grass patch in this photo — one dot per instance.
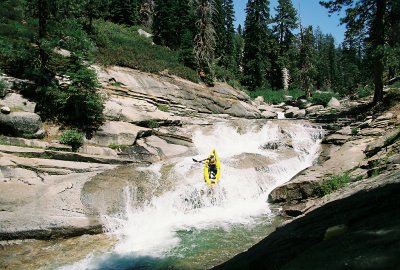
[118, 146]
[123, 46]
[163, 107]
[333, 183]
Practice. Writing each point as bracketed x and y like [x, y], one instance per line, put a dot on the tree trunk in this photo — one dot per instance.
[378, 43]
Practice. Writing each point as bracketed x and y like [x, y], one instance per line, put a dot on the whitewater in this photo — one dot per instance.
[188, 225]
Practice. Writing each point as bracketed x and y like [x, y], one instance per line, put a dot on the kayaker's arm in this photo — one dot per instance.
[195, 160]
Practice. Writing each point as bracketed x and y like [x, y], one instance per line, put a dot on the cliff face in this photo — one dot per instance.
[354, 227]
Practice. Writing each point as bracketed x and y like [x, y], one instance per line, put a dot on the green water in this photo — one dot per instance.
[198, 249]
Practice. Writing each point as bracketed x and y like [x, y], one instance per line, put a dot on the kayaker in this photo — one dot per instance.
[212, 166]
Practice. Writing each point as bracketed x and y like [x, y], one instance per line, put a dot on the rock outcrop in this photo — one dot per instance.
[353, 227]
[347, 150]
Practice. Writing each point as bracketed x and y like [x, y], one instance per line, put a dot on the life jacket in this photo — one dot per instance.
[212, 161]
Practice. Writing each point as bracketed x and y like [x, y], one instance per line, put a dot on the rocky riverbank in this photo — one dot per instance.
[148, 118]
[355, 226]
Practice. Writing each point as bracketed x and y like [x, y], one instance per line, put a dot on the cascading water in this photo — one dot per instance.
[191, 219]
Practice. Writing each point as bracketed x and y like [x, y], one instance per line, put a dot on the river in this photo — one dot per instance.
[190, 225]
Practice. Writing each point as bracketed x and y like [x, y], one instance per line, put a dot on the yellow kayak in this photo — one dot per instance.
[214, 178]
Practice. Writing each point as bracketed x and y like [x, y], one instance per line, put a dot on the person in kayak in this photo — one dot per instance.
[212, 166]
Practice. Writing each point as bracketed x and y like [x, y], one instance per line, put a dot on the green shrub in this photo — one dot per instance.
[333, 183]
[354, 131]
[364, 91]
[153, 124]
[163, 107]
[322, 98]
[77, 103]
[73, 138]
[3, 88]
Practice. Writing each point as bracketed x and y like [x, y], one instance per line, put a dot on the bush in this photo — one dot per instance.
[322, 98]
[364, 91]
[73, 138]
[75, 103]
[333, 183]
[354, 131]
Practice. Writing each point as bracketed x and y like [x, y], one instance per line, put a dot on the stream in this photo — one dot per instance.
[186, 224]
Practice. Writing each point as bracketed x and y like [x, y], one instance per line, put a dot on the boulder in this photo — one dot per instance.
[259, 100]
[242, 109]
[265, 107]
[20, 124]
[314, 109]
[269, 115]
[5, 110]
[334, 103]
[295, 112]
[144, 33]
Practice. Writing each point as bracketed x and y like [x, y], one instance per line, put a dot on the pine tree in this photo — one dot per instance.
[392, 50]
[349, 67]
[204, 41]
[220, 31]
[238, 53]
[164, 27]
[186, 54]
[255, 62]
[307, 68]
[228, 60]
[366, 16]
[285, 21]
[172, 18]
[124, 12]
[94, 9]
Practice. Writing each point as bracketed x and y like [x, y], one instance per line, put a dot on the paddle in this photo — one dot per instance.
[195, 160]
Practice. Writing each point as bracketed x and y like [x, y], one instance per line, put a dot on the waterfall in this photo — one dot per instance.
[255, 158]
[240, 195]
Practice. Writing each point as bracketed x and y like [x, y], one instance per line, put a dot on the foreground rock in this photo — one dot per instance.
[359, 230]
[41, 198]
